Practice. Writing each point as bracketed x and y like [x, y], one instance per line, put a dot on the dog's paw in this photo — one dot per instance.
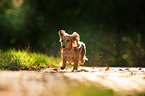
[74, 71]
[62, 68]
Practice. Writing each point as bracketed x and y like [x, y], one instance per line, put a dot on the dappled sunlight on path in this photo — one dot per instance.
[42, 83]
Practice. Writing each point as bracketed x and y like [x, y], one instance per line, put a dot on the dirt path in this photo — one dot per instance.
[32, 83]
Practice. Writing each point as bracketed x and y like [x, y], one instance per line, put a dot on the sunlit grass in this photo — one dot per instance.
[25, 60]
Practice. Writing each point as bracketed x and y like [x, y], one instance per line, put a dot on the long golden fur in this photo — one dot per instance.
[73, 51]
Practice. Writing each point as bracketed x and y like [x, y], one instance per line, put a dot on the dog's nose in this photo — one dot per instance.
[63, 46]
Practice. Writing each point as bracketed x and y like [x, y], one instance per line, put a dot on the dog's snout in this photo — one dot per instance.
[63, 46]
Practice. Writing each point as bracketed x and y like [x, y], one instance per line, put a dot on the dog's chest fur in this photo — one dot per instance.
[70, 55]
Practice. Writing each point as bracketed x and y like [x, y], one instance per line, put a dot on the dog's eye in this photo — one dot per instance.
[68, 40]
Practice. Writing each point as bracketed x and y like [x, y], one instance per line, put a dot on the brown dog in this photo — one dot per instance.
[73, 51]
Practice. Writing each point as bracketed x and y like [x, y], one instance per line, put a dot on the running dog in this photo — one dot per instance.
[73, 51]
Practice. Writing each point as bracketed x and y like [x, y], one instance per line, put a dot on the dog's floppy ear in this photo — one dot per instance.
[75, 39]
[76, 36]
[61, 33]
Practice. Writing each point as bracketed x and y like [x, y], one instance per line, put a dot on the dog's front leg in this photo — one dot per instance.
[76, 61]
[63, 63]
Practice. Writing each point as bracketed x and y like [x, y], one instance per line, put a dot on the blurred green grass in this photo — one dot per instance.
[25, 60]
[83, 90]
[93, 90]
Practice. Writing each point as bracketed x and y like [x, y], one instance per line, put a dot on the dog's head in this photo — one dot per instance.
[68, 41]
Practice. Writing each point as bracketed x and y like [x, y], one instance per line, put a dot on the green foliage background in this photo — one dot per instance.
[113, 30]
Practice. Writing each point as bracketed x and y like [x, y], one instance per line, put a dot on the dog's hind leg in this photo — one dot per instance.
[81, 56]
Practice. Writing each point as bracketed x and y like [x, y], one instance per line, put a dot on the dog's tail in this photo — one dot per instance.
[85, 58]
[82, 51]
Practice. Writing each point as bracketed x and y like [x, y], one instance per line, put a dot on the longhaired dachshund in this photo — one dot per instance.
[73, 51]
